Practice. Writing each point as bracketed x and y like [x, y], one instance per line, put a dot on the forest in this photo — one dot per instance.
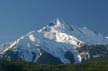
[15, 65]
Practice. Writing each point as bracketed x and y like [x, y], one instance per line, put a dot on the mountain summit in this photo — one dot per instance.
[58, 42]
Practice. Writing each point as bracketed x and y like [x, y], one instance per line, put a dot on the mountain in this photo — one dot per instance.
[57, 43]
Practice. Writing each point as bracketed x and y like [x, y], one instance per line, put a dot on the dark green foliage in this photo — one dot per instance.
[11, 66]
[25, 66]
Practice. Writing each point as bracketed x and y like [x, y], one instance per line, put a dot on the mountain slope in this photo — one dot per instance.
[58, 40]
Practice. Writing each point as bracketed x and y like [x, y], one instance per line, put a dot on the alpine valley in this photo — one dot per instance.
[57, 43]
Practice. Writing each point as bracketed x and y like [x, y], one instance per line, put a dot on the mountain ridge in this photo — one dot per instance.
[56, 39]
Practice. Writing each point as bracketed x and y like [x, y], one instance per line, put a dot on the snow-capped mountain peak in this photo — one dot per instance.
[58, 31]
[57, 39]
[57, 23]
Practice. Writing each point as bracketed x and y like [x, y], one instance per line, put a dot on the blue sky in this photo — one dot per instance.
[18, 17]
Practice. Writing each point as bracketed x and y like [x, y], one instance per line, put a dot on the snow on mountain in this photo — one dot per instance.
[56, 38]
[106, 37]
